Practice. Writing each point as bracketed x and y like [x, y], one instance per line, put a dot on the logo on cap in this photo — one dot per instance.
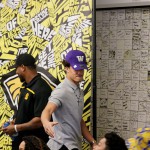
[75, 66]
[77, 59]
[80, 58]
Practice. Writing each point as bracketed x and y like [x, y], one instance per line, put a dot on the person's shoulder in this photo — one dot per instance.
[43, 82]
[60, 88]
[60, 85]
[42, 85]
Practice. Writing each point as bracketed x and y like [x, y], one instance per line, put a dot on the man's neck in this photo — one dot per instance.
[31, 76]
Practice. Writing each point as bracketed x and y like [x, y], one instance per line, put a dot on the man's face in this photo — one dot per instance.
[19, 71]
[74, 75]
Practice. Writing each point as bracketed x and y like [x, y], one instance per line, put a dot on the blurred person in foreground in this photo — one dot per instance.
[141, 140]
[33, 98]
[66, 107]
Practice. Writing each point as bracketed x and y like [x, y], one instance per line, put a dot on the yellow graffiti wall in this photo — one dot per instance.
[47, 29]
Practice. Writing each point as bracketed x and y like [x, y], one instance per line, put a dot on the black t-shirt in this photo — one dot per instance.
[32, 101]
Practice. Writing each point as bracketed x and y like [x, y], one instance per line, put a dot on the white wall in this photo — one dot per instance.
[123, 70]
[120, 3]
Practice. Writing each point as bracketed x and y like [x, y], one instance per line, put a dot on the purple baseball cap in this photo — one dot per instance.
[77, 59]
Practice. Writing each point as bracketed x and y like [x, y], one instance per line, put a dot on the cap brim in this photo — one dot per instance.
[79, 66]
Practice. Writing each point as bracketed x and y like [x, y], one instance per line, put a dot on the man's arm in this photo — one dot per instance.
[32, 124]
[86, 134]
[46, 117]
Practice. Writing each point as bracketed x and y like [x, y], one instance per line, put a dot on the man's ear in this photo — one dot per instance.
[23, 68]
[67, 69]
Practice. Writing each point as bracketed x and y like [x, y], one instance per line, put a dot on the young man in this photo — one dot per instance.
[33, 98]
[111, 141]
[66, 107]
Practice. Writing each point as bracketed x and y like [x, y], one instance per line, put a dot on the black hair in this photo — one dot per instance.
[65, 63]
[34, 143]
[114, 142]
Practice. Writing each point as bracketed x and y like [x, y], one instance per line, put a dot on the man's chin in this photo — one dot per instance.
[79, 79]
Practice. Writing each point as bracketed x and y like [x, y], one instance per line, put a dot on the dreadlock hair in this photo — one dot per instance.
[34, 143]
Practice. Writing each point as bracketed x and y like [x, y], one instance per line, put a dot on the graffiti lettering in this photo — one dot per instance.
[74, 9]
[86, 23]
[22, 50]
[22, 8]
[41, 16]
[48, 30]
[51, 62]
[11, 24]
[47, 58]
[66, 29]
[1, 5]
[77, 39]
[42, 32]
[63, 54]
[12, 4]
[71, 22]
[21, 34]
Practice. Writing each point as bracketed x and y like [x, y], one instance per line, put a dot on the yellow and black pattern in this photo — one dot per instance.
[47, 29]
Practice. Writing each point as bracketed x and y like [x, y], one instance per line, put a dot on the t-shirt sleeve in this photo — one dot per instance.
[41, 99]
[56, 97]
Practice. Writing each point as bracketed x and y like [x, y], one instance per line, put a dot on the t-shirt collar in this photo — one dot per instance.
[32, 81]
